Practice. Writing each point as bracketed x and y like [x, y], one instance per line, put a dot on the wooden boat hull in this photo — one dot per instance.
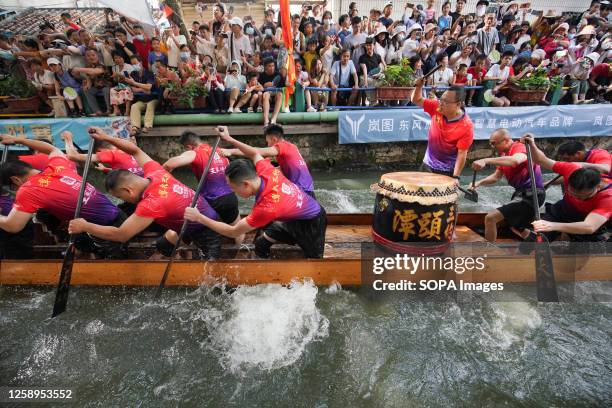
[342, 264]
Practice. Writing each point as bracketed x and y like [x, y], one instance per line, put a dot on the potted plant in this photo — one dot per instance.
[530, 88]
[20, 94]
[191, 94]
[396, 82]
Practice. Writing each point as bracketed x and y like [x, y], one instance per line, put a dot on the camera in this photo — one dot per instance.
[308, 8]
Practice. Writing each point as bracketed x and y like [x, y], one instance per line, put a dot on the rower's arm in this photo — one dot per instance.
[247, 150]
[417, 95]
[263, 151]
[130, 148]
[508, 161]
[71, 151]
[537, 155]
[490, 179]
[184, 159]
[37, 145]
[603, 168]
[591, 223]
[15, 221]
[460, 163]
[231, 231]
[130, 227]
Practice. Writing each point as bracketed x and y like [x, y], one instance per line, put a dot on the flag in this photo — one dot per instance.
[168, 11]
[285, 15]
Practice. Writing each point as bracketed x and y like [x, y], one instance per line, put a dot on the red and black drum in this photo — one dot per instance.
[415, 212]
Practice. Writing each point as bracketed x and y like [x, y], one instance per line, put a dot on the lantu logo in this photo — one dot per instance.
[355, 124]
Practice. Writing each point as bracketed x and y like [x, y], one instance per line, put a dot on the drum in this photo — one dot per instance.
[415, 212]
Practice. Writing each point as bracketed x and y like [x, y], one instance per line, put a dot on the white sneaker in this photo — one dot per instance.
[286, 110]
[237, 110]
[259, 109]
[250, 110]
[311, 109]
[230, 110]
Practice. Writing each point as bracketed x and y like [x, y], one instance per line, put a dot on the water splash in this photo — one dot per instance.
[341, 202]
[269, 326]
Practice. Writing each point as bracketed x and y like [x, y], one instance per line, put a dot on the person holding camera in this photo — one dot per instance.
[174, 42]
[221, 53]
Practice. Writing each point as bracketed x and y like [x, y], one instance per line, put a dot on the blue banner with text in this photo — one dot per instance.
[407, 125]
[51, 129]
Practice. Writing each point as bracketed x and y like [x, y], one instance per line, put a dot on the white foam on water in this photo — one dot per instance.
[341, 202]
[94, 327]
[269, 326]
[43, 351]
[513, 321]
[334, 288]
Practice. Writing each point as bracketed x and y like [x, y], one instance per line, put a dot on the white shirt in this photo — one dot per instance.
[174, 50]
[328, 58]
[467, 60]
[496, 72]
[443, 78]
[341, 73]
[46, 78]
[204, 46]
[409, 48]
[239, 44]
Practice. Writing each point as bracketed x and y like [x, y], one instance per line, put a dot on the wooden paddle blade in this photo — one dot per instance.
[63, 286]
[545, 273]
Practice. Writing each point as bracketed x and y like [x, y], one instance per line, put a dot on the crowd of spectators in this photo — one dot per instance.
[241, 62]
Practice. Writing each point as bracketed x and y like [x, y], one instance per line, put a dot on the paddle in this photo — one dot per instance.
[184, 226]
[551, 182]
[5, 150]
[471, 194]
[63, 285]
[545, 274]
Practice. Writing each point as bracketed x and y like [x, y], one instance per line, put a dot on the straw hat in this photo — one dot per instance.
[380, 30]
[429, 27]
[587, 30]
[550, 14]
[563, 25]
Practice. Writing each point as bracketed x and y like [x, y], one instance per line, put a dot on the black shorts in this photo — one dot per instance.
[207, 241]
[226, 206]
[560, 212]
[19, 245]
[311, 193]
[519, 213]
[103, 248]
[307, 234]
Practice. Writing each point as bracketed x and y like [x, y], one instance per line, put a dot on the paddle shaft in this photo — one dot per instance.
[63, 285]
[5, 150]
[551, 181]
[185, 222]
[545, 274]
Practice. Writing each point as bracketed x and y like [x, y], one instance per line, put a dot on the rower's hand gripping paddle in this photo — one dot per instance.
[545, 273]
[470, 194]
[159, 290]
[63, 285]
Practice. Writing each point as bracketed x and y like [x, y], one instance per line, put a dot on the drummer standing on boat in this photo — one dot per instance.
[512, 164]
[451, 132]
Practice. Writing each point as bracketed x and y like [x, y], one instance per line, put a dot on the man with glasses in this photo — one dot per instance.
[511, 163]
[451, 132]
[586, 205]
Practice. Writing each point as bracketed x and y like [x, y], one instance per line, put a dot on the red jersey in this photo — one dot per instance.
[119, 160]
[278, 199]
[56, 190]
[461, 79]
[446, 137]
[475, 72]
[518, 177]
[600, 203]
[215, 185]
[39, 161]
[143, 48]
[599, 156]
[293, 165]
[166, 198]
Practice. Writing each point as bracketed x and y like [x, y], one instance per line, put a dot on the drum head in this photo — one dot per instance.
[422, 188]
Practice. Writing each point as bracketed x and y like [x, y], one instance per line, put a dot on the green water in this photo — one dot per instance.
[272, 346]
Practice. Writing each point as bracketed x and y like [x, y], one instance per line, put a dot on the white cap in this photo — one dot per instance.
[236, 21]
[594, 56]
[52, 61]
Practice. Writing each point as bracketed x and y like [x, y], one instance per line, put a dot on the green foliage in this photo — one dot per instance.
[17, 87]
[556, 82]
[400, 75]
[536, 80]
[187, 93]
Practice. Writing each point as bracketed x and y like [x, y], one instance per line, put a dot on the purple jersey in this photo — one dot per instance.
[215, 185]
[57, 190]
[518, 177]
[6, 204]
[293, 165]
